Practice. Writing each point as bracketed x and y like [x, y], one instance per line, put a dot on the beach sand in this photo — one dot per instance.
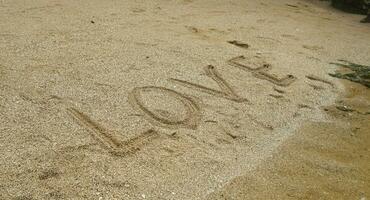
[326, 160]
[190, 99]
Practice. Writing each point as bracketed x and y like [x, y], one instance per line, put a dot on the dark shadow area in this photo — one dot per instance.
[351, 6]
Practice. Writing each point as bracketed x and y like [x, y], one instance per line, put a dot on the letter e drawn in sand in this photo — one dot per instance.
[285, 81]
[107, 140]
[262, 72]
[189, 117]
[316, 78]
[226, 90]
[236, 63]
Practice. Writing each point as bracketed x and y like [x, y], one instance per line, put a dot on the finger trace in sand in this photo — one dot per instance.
[97, 131]
[261, 72]
[316, 87]
[228, 132]
[279, 90]
[236, 63]
[193, 115]
[239, 44]
[276, 96]
[316, 78]
[226, 92]
[114, 146]
[285, 81]
[135, 144]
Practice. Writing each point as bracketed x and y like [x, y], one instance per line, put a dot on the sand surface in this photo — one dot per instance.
[324, 160]
[191, 99]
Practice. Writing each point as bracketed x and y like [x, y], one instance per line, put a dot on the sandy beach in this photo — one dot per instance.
[183, 99]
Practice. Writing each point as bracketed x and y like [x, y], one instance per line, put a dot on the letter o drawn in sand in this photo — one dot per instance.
[165, 107]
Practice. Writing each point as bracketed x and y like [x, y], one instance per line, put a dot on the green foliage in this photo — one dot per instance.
[360, 73]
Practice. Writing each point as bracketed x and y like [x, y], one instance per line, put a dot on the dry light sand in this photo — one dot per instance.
[181, 99]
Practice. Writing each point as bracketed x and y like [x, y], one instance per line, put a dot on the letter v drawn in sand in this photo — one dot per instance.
[114, 146]
[226, 90]
[177, 119]
[262, 72]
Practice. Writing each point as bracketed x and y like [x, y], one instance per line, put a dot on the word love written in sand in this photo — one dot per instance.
[167, 108]
[192, 114]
